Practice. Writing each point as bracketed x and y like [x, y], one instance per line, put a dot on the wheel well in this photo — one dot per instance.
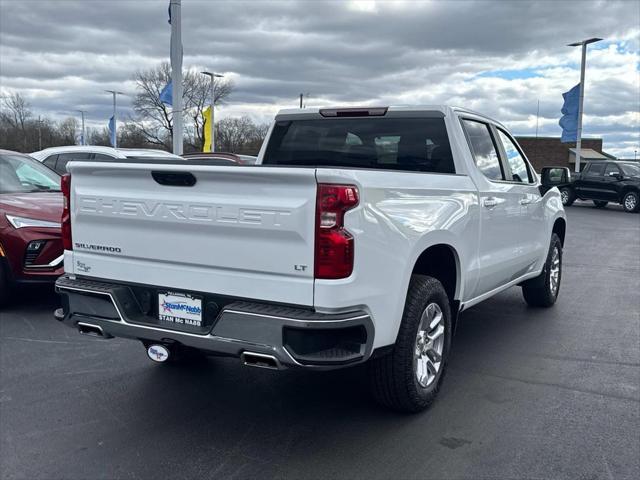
[560, 228]
[440, 261]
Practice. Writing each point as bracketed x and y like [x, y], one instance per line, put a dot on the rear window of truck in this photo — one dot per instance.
[411, 144]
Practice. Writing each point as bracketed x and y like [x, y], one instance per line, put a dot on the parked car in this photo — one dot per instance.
[30, 210]
[600, 181]
[362, 237]
[57, 158]
[215, 158]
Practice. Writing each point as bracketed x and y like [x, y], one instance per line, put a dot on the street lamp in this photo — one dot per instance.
[583, 44]
[82, 140]
[115, 126]
[213, 76]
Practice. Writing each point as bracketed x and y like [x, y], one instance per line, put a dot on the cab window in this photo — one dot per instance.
[595, 170]
[483, 149]
[517, 164]
[611, 168]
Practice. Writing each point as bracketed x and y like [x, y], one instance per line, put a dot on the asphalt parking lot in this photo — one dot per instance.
[529, 394]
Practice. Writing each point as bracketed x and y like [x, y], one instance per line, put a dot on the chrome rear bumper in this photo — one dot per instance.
[296, 337]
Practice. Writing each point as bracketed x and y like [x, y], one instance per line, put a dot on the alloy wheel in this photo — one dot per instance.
[427, 355]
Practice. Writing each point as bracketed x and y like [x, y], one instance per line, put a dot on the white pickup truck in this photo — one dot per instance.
[360, 236]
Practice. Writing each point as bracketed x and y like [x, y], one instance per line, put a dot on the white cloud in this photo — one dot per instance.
[500, 58]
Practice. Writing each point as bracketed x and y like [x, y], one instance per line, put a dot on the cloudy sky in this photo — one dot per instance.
[500, 57]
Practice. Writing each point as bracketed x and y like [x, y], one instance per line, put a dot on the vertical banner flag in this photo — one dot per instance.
[206, 146]
[569, 120]
[112, 133]
[166, 95]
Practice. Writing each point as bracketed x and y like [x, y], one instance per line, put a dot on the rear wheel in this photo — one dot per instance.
[568, 196]
[600, 203]
[630, 202]
[543, 290]
[408, 378]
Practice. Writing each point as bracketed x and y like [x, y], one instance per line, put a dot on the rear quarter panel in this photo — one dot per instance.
[400, 214]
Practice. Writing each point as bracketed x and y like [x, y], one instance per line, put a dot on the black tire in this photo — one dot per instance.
[631, 202]
[539, 292]
[393, 378]
[600, 203]
[568, 196]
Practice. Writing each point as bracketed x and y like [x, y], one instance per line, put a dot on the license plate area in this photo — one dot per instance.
[180, 310]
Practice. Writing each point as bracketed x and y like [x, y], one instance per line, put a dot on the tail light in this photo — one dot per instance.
[65, 186]
[334, 244]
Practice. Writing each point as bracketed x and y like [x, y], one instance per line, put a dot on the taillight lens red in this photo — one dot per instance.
[334, 244]
[65, 186]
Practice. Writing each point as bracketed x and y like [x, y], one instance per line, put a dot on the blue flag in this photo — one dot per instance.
[569, 120]
[112, 131]
[166, 95]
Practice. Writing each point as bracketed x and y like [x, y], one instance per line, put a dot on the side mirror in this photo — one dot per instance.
[616, 174]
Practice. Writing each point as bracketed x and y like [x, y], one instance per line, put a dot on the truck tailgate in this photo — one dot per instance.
[238, 231]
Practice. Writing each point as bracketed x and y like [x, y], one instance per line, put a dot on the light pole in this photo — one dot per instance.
[115, 121]
[212, 130]
[584, 44]
[82, 140]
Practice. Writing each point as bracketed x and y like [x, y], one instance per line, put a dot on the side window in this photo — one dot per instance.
[595, 170]
[64, 158]
[519, 171]
[50, 161]
[611, 168]
[484, 150]
[102, 156]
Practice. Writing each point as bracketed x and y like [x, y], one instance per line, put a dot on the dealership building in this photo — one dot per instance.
[550, 151]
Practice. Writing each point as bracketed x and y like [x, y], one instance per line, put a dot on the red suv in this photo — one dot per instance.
[30, 210]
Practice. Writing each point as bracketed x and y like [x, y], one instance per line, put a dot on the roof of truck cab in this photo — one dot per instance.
[445, 109]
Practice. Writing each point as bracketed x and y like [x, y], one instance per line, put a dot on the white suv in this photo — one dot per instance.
[56, 158]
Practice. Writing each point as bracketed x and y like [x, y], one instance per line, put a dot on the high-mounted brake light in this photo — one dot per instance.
[354, 112]
[65, 221]
[334, 245]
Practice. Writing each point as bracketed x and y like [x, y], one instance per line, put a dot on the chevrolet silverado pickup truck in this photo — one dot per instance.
[599, 181]
[360, 236]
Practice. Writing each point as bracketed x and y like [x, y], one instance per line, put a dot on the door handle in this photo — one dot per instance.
[525, 201]
[490, 202]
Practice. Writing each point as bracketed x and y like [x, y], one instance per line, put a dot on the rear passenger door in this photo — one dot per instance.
[500, 244]
[591, 184]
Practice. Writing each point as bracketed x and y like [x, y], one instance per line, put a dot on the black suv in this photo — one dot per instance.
[600, 181]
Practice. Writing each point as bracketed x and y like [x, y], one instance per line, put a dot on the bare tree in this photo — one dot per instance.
[17, 113]
[240, 135]
[155, 119]
[67, 129]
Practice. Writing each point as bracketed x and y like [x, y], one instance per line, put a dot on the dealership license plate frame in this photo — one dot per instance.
[182, 310]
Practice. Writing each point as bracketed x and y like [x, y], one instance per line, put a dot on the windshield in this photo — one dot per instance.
[413, 144]
[21, 174]
[630, 169]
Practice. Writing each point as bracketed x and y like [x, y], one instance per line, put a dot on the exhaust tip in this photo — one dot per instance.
[158, 353]
[260, 360]
[91, 330]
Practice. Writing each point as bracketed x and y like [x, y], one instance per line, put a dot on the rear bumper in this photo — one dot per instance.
[296, 337]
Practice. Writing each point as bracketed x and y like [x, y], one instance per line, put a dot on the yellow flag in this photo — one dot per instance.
[206, 147]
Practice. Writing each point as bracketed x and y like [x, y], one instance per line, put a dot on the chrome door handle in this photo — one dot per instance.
[525, 201]
[490, 202]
